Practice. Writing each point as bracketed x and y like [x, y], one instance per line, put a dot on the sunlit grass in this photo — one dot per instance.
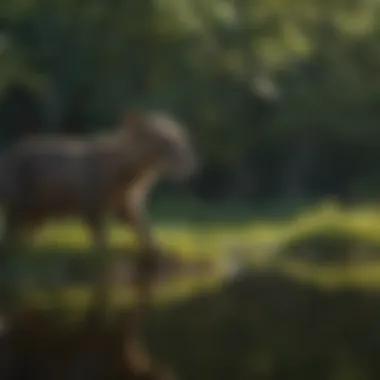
[261, 240]
[190, 237]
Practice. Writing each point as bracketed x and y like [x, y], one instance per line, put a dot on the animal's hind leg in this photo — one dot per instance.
[148, 257]
[133, 213]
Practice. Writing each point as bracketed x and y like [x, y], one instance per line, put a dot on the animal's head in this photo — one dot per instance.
[160, 139]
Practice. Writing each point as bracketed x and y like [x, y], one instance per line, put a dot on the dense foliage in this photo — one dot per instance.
[281, 96]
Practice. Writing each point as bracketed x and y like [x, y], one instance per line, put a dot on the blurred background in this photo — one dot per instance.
[282, 99]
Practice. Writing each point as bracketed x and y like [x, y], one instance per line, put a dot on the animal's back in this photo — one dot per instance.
[45, 173]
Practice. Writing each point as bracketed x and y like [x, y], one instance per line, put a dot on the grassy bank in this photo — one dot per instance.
[260, 235]
[260, 240]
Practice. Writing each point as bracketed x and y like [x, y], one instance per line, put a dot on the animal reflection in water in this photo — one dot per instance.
[54, 176]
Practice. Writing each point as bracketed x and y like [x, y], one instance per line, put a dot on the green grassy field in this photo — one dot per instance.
[260, 238]
[211, 237]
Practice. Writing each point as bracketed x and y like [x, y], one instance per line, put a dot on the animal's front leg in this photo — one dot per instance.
[137, 219]
[136, 215]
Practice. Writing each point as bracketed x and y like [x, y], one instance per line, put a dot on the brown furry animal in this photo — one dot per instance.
[55, 176]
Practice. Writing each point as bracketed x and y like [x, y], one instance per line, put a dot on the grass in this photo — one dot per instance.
[212, 239]
[259, 238]
[265, 325]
